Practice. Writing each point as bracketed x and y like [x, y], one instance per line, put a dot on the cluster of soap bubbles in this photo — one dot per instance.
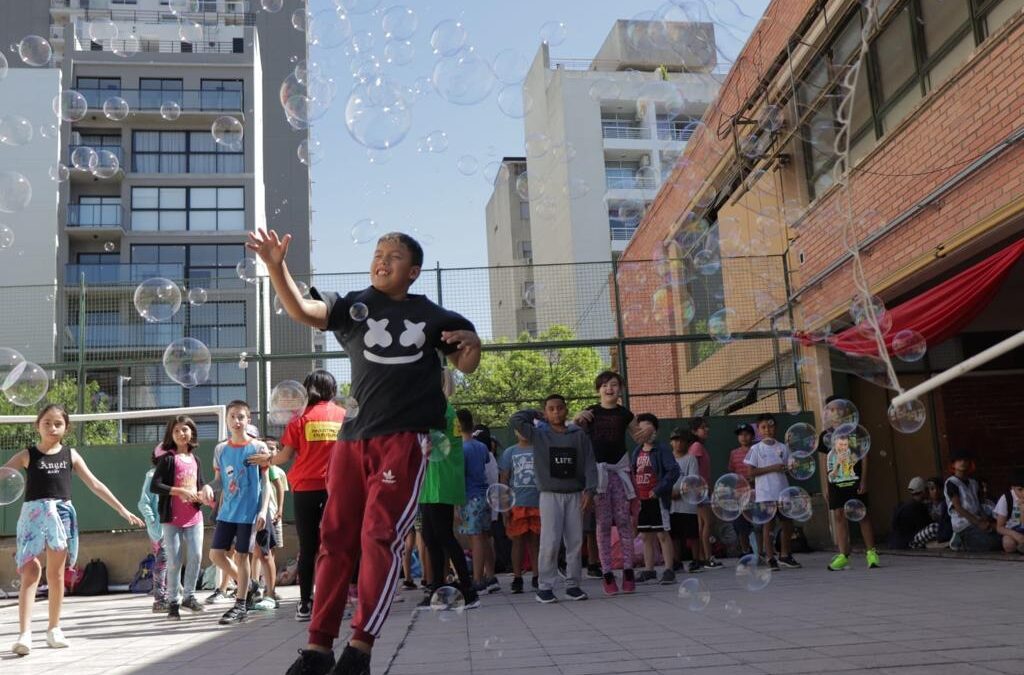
[187, 361]
[22, 382]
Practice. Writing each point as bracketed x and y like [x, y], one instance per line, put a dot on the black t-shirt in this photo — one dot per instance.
[608, 432]
[396, 355]
[49, 476]
[847, 479]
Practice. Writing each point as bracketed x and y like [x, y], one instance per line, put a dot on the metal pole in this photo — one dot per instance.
[80, 431]
[437, 274]
[792, 328]
[620, 347]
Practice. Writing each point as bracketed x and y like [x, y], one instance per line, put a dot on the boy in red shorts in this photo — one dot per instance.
[394, 341]
[522, 522]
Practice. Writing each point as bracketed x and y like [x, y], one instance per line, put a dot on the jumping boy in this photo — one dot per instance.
[394, 340]
[768, 460]
[567, 478]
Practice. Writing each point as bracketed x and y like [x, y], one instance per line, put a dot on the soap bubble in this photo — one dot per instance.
[448, 37]
[436, 141]
[576, 188]
[693, 489]
[729, 495]
[859, 311]
[365, 231]
[399, 52]
[553, 33]
[299, 19]
[26, 384]
[494, 646]
[537, 145]
[6, 236]
[604, 90]
[511, 66]
[399, 23]
[9, 360]
[447, 599]
[857, 439]
[309, 151]
[718, 325]
[733, 609]
[753, 573]
[463, 79]
[107, 164]
[157, 299]
[15, 130]
[196, 296]
[802, 439]
[500, 497]
[70, 106]
[109, 246]
[328, 29]
[170, 110]
[190, 31]
[247, 270]
[357, 6]
[707, 262]
[358, 311]
[34, 51]
[272, 6]
[695, 594]
[467, 165]
[187, 362]
[3, 66]
[907, 417]
[84, 158]
[795, 503]
[438, 446]
[840, 415]
[376, 114]
[115, 108]
[182, 6]
[802, 468]
[855, 510]
[350, 405]
[514, 101]
[12, 485]
[227, 131]
[909, 345]
[59, 172]
[759, 513]
[49, 131]
[287, 400]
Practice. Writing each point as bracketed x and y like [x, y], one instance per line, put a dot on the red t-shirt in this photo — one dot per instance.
[313, 434]
[736, 463]
[703, 460]
[644, 478]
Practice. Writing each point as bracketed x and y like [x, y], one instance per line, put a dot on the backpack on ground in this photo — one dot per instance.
[290, 574]
[95, 579]
[142, 582]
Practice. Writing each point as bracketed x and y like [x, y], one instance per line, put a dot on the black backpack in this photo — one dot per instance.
[95, 579]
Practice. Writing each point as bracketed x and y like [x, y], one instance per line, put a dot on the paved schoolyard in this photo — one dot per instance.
[916, 615]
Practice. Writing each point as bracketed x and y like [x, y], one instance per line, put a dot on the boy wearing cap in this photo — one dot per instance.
[683, 514]
[972, 530]
[911, 516]
[1009, 522]
[745, 437]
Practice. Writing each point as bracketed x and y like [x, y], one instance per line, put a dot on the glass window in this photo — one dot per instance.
[183, 152]
[945, 66]
[145, 198]
[941, 20]
[172, 198]
[230, 198]
[1001, 13]
[204, 198]
[847, 42]
[524, 210]
[894, 51]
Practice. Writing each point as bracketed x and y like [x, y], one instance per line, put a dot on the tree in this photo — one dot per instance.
[511, 379]
[64, 392]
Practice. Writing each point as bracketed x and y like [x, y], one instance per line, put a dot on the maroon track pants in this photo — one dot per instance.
[373, 488]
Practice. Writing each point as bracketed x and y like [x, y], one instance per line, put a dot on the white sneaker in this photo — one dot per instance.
[23, 647]
[55, 638]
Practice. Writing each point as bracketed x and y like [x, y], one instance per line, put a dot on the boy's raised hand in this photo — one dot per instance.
[267, 245]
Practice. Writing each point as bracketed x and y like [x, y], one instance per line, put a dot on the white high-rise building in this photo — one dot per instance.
[601, 136]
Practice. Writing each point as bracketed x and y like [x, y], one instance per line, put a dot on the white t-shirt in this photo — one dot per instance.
[1012, 517]
[760, 455]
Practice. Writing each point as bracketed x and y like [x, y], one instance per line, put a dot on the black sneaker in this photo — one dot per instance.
[789, 562]
[594, 572]
[546, 597]
[575, 593]
[159, 607]
[192, 604]
[237, 614]
[647, 575]
[713, 564]
[472, 599]
[352, 662]
[172, 612]
[215, 598]
[695, 567]
[516, 587]
[492, 585]
[303, 611]
[408, 585]
[534, 582]
[424, 604]
[667, 577]
[773, 564]
[312, 662]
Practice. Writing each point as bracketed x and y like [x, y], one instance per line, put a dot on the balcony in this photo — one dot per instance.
[148, 100]
[678, 131]
[621, 231]
[616, 182]
[95, 215]
[120, 273]
[229, 12]
[116, 149]
[134, 46]
[617, 130]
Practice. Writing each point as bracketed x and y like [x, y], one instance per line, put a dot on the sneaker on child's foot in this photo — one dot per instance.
[312, 662]
[266, 604]
[237, 614]
[546, 597]
[872, 557]
[55, 638]
[628, 581]
[192, 604]
[424, 604]
[773, 564]
[408, 585]
[516, 587]
[695, 567]
[352, 662]
[713, 564]
[534, 582]
[159, 606]
[593, 571]
[838, 563]
[575, 593]
[492, 585]
[23, 645]
[472, 599]
[667, 577]
[215, 598]
[173, 612]
[789, 562]
[609, 585]
[303, 611]
[647, 575]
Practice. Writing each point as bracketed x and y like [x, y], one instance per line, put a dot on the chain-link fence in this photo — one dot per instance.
[688, 335]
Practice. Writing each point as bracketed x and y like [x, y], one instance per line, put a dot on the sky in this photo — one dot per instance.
[424, 192]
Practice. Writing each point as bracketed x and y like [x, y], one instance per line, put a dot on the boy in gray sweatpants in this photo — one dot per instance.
[566, 474]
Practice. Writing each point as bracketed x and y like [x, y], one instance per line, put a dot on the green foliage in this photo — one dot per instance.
[510, 380]
[64, 392]
[705, 349]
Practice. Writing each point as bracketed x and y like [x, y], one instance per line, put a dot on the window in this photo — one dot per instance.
[524, 210]
[99, 258]
[96, 90]
[205, 265]
[183, 152]
[155, 91]
[894, 50]
[221, 94]
[1000, 12]
[619, 174]
[226, 383]
[95, 211]
[525, 250]
[173, 208]
[219, 324]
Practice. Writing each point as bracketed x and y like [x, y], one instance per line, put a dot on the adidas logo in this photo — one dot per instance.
[389, 478]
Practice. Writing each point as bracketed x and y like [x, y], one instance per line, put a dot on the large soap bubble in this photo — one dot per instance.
[26, 384]
[463, 79]
[795, 503]
[12, 485]
[376, 114]
[157, 299]
[70, 105]
[729, 495]
[802, 439]
[187, 362]
[15, 192]
[35, 51]
[287, 400]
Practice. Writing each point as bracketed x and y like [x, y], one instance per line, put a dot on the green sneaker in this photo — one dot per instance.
[872, 556]
[840, 562]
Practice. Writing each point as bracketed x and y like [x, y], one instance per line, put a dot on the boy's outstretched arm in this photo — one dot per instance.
[271, 251]
[466, 358]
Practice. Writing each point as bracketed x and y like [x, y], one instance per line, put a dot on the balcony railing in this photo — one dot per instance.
[681, 134]
[622, 233]
[121, 273]
[116, 149]
[236, 46]
[618, 130]
[150, 100]
[95, 215]
[157, 335]
[630, 183]
[226, 12]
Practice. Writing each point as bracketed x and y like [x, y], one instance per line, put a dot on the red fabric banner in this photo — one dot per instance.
[942, 312]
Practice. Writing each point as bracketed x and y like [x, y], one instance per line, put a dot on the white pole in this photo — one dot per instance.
[218, 410]
[979, 359]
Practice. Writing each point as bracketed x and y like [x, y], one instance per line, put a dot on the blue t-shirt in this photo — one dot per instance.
[475, 455]
[240, 482]
[518, 462]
